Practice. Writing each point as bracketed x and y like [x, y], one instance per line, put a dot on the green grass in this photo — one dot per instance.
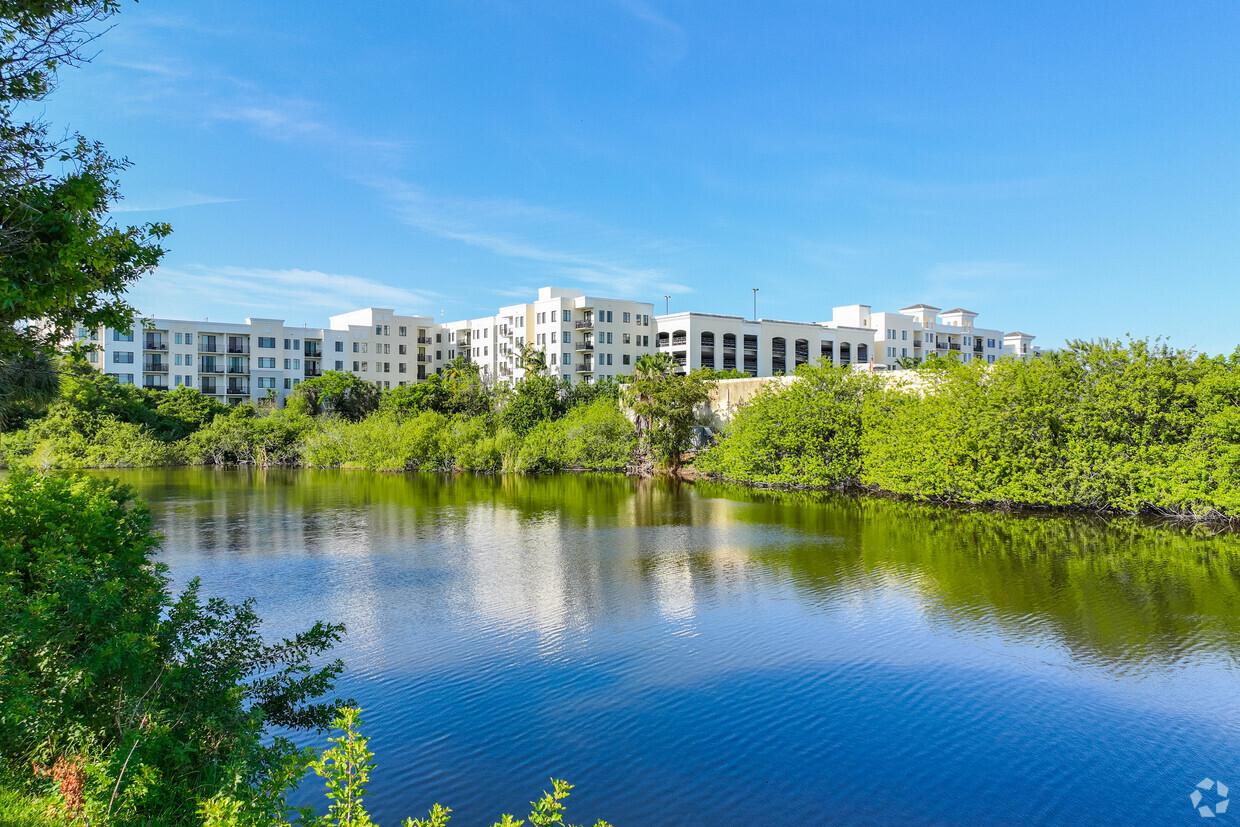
[19, 809]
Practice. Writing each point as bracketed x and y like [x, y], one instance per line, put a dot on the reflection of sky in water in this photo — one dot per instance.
[686, 658]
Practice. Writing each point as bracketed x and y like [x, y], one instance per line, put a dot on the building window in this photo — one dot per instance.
[356, 367]
[296, 364]
[265, 341]
[567, 358]
[288, 384]
[339, 365]
[624, 360]
[904, 335]
[288, 344]
[117, 336]
[189, 338]
[177, 337]
[268, 362]
[124, 357]
[400, 367]
[94, 357]
[364, 367]
[402, 331]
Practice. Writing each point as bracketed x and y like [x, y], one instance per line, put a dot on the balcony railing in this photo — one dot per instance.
[954, 346]
[729, 364]
[312, 372]
[424, 358]
[424, 340]
[208, 387]
[154, 386]
[241, 348]
[239, 370]
[314, 352]
[154, 344]
[586, 325]
[941, 345]
[238, 390]
[209, 347]
[708, 341]
[751, 345]
[208, 367]
[585, 368]
[154, 366]
[584, 346]
[679, 340]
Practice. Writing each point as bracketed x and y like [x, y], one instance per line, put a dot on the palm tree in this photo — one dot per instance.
[27, 380]
[654, 364]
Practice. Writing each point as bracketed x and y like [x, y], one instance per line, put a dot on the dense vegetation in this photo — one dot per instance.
[1131, 426]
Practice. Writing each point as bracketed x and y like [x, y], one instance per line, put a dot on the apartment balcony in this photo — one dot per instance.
[208, 367]
[941, 345]
[585, 368]
[424, 340]
[588, 324]
[243, 348]
[313, 351]
[238, 370]
[238, 390]
[954, 346]
[209, 347]
[154, 366]
[154, 344]
[312, 372]
[208, 387]
[424, 358]
[584, 346]
[153, 385]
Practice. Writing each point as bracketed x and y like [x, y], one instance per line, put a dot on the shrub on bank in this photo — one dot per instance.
[804, 433]
[1134, 426]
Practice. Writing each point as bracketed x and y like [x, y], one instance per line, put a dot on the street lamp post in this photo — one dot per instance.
[755, 303]
[666, 304]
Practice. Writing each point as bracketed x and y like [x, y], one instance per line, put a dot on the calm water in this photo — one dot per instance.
[707, 655]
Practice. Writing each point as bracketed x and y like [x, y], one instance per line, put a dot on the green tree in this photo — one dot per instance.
[666, 403]
[336, 392]
[63, 262]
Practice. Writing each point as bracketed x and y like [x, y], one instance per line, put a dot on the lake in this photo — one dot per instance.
[705, 654]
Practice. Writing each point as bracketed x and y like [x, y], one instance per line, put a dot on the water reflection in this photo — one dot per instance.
[687, 653]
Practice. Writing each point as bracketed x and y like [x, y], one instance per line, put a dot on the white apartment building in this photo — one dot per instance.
[237, 362]
[585, 339]
[855, 336]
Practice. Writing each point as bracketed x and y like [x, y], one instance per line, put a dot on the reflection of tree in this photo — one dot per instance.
[1120, 591]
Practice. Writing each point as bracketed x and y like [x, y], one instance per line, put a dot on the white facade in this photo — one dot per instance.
[855, 336]
[585, 339]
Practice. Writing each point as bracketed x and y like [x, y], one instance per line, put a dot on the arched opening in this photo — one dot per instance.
[662, 340]
[707, 339]
[729, 340]
[863, 353]
[679, 337]
[845, 353]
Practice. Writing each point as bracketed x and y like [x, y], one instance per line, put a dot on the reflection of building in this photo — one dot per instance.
[584, 338]
[854, 336]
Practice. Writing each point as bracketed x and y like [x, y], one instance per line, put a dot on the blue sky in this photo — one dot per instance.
[1071, 169]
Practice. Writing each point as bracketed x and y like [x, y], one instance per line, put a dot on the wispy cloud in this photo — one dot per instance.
[672, 44]
[172, 201]
[274, 293]
[569, 247]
